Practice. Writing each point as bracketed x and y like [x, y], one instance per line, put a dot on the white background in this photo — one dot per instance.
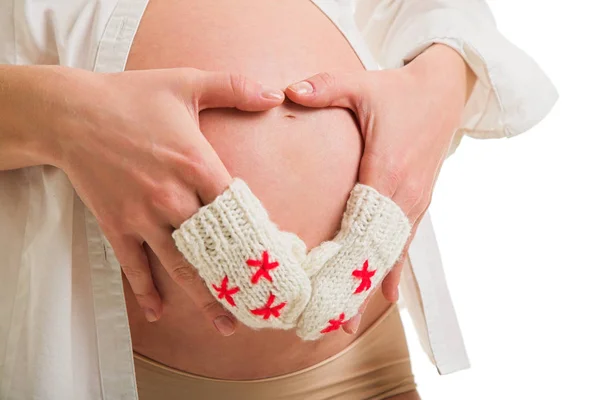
[518, 224]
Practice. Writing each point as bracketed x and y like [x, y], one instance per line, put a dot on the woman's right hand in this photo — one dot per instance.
[130, 144]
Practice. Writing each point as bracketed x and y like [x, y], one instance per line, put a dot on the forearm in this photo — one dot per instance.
[30, 108]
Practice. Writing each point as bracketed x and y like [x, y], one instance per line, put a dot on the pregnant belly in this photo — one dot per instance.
[302, 163]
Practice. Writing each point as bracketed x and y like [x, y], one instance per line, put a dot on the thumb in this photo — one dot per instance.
[223, 89]
[327, 89]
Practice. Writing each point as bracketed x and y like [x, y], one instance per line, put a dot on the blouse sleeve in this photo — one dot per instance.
[7, 32]
[511, 93]
[52, 32]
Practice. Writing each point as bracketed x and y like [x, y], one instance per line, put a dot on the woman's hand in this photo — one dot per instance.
[131, 145]
[407, 117]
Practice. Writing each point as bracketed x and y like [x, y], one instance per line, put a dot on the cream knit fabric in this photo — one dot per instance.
[265, 277]
[344, 271]
[250, 266]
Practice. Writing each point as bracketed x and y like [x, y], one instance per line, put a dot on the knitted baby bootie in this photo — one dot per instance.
[250, 266]
[344, 271]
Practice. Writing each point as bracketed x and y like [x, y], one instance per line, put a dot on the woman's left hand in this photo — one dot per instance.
[407, 117]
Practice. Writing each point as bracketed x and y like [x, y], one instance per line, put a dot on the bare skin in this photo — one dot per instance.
[283, 153]
[407, 117]
[153, 181]
[302, 163]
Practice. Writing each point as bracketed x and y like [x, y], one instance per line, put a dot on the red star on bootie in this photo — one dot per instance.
[252, 268]
[345, 270]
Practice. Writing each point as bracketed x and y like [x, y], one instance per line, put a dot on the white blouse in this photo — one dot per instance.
[63, 324]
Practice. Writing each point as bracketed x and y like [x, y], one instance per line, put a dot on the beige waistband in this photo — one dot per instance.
[347, 349]
[374, 366]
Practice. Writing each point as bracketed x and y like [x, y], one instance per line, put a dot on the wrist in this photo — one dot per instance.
[444, 69]
[30, 115]
[65, 99]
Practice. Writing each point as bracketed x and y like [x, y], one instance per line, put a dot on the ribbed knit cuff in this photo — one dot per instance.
[249, 265]
[373, 233]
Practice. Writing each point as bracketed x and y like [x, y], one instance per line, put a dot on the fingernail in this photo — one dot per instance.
[224, 325]
[150, 315]
[272, 94]
[303, 87]
[355, 324]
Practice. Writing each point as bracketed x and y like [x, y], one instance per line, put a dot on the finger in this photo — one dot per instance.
[391, 282]
[209, 176]
[352, 325]
[186, 276]
[396, 177]
[223, 89]
[134, 263]
[380, 170]
[223, 320]
[389, 286]
[175, 203]
[183, 273]
[202, 169]
[419, 198]
[328, 89]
